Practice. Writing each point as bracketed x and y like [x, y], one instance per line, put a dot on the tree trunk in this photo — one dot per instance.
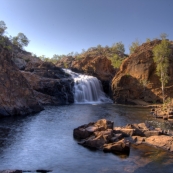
[162, 81]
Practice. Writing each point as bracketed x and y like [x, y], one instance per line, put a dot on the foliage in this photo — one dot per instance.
[65, 65]
[43, 57]
[2, 27]
[20, 40]
[78, 57]
[134, 45]
[161, 58]
[163, 36]
[144, 83]
[148, 40]
[116, 61]
[118, 47]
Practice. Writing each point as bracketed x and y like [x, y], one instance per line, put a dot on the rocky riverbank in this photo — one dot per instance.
[164, 113]
[27, 84]
[104, 136]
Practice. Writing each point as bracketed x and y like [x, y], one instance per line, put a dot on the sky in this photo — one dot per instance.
[64, 26]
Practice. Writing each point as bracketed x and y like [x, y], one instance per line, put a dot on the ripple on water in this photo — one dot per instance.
[45, 141]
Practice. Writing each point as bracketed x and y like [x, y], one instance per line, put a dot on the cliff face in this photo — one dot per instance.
[51, 84]
[98, 66]
[27, 83]
[137, 79]
[16, 95]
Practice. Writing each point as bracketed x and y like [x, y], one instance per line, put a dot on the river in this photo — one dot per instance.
[45, 141]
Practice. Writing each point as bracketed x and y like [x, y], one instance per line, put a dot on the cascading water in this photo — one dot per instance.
[87, 89]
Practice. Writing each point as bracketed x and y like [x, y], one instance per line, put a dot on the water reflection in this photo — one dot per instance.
[45, 141]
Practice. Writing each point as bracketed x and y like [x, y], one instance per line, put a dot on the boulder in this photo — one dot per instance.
[95, 142]
[104, 124]
[122, 146]
[162, 141]
[87, 130]
[100, 135]
[138, 139]
[138, 130]
[81, 132]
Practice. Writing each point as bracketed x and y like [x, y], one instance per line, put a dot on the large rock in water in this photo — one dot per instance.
[17, 96]
[165, 142]
[87, 130]
[103, 136]
[137, 79]
[100, 135]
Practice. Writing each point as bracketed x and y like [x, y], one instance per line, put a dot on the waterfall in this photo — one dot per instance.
[87, 89]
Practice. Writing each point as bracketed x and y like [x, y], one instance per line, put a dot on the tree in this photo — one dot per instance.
[161, 58]
[20, 40]
[163, 36]
[2, 27]
[116, 61]
[148, 40]
[99, 46]
[118, 47]
[42, 57]
[134, 45]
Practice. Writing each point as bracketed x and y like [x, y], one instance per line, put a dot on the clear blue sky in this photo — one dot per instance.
[63, 26]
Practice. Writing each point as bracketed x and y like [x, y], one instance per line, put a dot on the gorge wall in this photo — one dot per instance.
[137, 80]
[16, 96]
[27, 83]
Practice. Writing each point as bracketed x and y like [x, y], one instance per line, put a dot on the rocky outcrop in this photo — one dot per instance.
[103, 136]
[27, 83]
[17, 96]
[100, 135]
[137, 80]
[51, 91]
[51, 84]
[22, 58]
[165, 142]
[143, 134]
[165, 113]
[98, 66]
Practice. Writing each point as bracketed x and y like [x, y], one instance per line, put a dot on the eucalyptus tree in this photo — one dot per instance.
[2, 27]
[20, 40]
[161, 57]
[118, 47]
[134, 45]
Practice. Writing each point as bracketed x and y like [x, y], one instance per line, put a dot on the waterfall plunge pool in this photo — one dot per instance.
[45, 141]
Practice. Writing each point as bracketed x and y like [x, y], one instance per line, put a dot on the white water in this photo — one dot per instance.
[87, 89]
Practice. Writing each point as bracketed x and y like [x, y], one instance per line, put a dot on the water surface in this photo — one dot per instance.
[45, 141]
